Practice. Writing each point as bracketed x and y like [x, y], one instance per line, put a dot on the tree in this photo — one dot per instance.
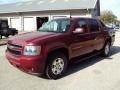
[108, 17]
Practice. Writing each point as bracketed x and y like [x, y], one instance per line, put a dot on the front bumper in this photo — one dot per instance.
[31, 64]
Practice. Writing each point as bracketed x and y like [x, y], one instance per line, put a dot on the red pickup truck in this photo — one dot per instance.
[56, 43]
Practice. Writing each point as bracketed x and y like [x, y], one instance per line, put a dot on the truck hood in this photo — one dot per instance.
[31, 37]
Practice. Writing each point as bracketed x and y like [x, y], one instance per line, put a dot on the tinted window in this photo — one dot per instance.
[82, 24]
[94, 26]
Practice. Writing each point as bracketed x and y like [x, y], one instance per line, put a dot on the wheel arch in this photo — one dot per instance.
[62, 50]
[109, 39]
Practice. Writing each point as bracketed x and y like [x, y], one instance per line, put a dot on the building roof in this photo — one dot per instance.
[47, 5]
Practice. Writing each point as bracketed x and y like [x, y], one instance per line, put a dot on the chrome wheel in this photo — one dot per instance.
[107, 49]
[58, 66]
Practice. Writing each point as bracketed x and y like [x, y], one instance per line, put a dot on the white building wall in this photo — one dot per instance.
[12, 16]
[51, 15]
[29, 23]
[15, 22]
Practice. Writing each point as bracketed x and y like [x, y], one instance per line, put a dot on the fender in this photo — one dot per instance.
[54, 46]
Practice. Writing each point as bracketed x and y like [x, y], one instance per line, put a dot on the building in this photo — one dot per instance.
[30, 15]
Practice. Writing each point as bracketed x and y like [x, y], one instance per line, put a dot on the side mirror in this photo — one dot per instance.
[78, 31]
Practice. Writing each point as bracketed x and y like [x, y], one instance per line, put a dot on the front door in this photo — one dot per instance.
[82, 42]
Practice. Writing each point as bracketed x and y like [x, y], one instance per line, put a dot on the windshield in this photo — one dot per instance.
[59, 25]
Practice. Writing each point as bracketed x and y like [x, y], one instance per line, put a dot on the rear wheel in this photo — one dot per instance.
[56, 66]
[106, 49]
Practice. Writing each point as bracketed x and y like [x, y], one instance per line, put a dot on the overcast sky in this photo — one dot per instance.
[10, 1]
[113, 5]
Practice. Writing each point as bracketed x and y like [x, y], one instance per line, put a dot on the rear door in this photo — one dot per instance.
[82, 42]
[96, 34]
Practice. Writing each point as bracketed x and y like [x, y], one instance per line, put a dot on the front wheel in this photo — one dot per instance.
[106, 49]
[56, 66]
[6, 36]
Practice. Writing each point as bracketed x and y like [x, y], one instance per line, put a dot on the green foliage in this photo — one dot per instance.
[108, 17]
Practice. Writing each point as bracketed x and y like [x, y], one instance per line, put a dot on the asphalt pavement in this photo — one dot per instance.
[96, 73]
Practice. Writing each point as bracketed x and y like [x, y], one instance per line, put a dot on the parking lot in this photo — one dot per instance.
[96, 73]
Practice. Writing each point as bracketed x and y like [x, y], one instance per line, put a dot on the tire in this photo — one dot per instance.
[13, 34]
[56, 66]
[6, 36]
[106, 49]
[0, 36]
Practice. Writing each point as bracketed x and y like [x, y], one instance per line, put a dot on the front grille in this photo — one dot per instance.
[17, 46]
[14, 52]
[14, 49]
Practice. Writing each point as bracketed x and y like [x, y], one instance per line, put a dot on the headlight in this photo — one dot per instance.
[32, 50]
